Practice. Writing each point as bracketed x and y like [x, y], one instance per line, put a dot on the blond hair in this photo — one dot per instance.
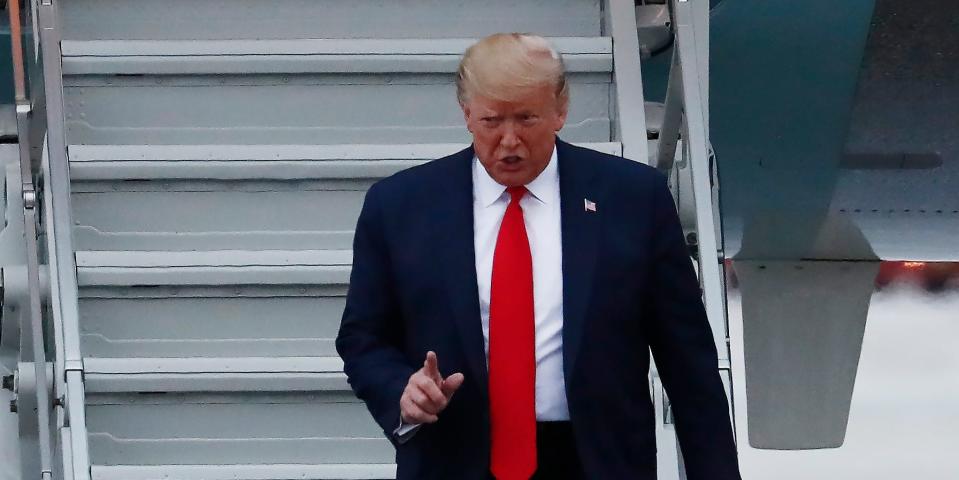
[504, 66]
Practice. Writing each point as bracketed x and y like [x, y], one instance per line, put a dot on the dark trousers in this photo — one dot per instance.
[556, 455]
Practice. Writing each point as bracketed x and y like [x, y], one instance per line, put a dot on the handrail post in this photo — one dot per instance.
[23, 112]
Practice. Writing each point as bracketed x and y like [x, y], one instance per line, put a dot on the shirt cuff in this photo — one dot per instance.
[405, 431]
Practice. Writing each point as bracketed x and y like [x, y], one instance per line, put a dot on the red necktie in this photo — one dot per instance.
[512, 358]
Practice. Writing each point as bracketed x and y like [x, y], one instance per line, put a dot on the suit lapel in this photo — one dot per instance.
[456, 256]
[580, 229]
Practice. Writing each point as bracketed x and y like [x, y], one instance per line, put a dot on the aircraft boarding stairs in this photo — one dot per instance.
[218, 154]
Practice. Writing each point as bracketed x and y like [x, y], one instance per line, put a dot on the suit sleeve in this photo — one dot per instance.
[371, 333]
[684, 350]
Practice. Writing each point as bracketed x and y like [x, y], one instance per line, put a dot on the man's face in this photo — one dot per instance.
[514, 139]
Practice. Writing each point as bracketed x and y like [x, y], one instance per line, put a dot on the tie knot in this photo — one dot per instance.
[516, 193]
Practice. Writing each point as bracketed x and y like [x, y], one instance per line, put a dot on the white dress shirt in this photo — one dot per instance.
[541, 215]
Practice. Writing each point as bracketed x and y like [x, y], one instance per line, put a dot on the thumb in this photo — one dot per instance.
[451, 384]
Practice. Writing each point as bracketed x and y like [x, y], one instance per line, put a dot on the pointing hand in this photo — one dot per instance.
[427, 393]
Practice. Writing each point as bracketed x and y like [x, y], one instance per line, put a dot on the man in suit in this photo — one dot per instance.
[504, 300]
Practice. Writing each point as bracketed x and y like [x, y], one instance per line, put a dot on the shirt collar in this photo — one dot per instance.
[545, 187]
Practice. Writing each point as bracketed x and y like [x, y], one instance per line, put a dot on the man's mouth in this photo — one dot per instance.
[512, 159]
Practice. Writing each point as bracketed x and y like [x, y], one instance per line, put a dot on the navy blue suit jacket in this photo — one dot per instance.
[628, 287]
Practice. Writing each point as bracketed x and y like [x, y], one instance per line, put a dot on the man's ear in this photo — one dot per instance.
[466, 115]
[561, 117]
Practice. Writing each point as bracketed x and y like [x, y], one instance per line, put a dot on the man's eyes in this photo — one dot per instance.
[524, 119]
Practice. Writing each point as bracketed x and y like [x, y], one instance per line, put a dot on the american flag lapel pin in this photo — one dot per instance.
[589, 205]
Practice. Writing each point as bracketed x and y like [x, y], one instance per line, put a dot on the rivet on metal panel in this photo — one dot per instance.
[667, 410]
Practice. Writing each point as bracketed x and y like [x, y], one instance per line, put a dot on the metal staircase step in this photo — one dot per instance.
[247, 374]
[205, 197]
[244, 431]
[360, 108]
[278, 19]
[303, 267]
[259, 162]
[329, 471]
[224, 258]
[210, 304]
[130, 57]
[324, 90]
[210, 321]
[286, 267]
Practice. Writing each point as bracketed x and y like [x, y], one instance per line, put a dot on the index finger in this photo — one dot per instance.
[431, 367]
